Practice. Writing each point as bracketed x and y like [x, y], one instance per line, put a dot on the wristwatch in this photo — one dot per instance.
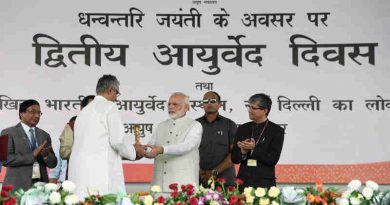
[214, 172]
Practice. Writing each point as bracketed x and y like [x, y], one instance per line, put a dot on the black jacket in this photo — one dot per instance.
[266, 153]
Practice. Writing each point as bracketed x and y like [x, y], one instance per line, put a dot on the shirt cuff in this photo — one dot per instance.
[166, 149]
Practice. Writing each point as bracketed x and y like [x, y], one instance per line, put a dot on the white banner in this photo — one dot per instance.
[325, 65]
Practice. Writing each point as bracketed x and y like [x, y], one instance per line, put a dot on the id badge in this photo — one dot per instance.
[252, 163]
[36, 173]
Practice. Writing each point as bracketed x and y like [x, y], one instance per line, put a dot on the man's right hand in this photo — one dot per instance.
[205, 176]
[140, 150]
[38, 150]
[246, 145]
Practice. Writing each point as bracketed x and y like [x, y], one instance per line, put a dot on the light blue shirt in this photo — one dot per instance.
[26, 129]
[59, 172]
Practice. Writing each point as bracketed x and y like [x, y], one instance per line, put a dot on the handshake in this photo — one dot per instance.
[148, 151]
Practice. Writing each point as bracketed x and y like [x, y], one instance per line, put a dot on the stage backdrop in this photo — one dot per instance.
[325, 65]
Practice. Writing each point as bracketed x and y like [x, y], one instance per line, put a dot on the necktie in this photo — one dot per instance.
[32, 139]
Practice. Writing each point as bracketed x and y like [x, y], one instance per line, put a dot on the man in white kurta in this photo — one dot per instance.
[175, 146]
[100, 143]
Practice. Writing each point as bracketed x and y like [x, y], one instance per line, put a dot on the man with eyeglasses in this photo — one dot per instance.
[100, 143]
[217, 142]
[258, 145]
[29, 149]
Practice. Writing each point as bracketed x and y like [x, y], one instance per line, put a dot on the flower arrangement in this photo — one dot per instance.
[231, 194]
[250, 195]
[321, 196]
[217, 195]
[383, 198]
[49, 193]
[293, 196]
[6, 198]
[357, 195]
[262, 196]
[97, 199]
[188, 194]
[63, 194]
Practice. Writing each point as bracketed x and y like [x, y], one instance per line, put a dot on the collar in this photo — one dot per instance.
[260, 124]
[217, 118]
[100, 97]
[26, 128]
[179, 119]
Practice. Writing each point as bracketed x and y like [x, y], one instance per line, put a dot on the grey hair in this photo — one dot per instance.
[186, 97]
[262, 100]
[106, 82]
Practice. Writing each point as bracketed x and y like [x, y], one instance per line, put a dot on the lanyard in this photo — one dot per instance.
[261, 134]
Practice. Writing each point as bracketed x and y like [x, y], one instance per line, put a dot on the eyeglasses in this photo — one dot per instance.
[253, 107]
[117, 92]
[212, 100]
[35, 112]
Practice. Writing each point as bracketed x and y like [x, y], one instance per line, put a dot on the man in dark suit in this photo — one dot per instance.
[258, 145]
[29, 149]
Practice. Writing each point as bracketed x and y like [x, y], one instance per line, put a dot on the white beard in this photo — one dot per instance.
[177, 115]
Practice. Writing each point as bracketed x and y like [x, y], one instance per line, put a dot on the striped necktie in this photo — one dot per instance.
[33, 141]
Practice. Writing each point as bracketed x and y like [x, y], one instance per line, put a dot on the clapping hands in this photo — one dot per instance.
[246, 145]
[42, 150]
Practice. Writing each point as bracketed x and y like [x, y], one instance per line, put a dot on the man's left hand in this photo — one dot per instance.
[45, 151]
[156, 150]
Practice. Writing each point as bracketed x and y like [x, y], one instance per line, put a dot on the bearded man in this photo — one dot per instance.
[175, 144]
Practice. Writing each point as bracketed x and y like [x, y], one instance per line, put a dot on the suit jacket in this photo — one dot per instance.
[266, 153]
[21, 159]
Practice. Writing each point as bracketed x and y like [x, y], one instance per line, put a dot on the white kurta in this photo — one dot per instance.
[99, 142]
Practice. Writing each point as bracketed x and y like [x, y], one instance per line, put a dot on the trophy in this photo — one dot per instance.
[136, 134]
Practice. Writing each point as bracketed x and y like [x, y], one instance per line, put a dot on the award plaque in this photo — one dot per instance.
[136, 134]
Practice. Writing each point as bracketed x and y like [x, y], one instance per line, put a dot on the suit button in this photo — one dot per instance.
[168, 142]
[165, 172]
[177, 135]
[174, 124]
[165, 162]
[170, 132]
